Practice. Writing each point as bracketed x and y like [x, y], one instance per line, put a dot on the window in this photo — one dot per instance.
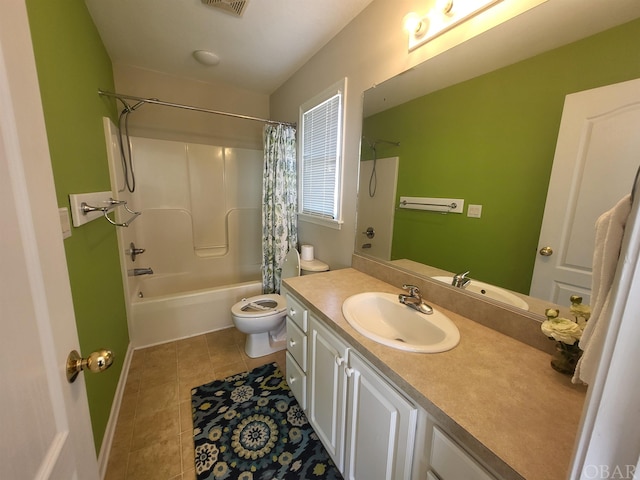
[320, 150]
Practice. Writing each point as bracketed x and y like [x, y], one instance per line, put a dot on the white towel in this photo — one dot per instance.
[609, 233]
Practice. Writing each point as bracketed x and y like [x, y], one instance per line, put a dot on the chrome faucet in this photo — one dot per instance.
[461, 280]
[414, 299]
[135, 272]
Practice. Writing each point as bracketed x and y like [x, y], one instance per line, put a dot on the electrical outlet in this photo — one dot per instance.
[474, 211]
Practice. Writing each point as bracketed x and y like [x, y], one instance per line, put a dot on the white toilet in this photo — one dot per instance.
[261, 317]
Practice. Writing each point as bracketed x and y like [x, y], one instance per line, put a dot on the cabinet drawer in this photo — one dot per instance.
[297, 381]
[297, 312]
[297, 344]
[450, 462]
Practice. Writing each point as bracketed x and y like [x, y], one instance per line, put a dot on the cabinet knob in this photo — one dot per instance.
[349, 371]
[292, 379]
[292, 312]
[339, 361]
[292, 342]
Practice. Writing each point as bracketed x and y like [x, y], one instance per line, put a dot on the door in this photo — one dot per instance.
[376, 213]
[382, 426]
[45, 425]
[327, 389]
[596, 159]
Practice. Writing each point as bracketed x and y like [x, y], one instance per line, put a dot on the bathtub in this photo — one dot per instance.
[170, 307]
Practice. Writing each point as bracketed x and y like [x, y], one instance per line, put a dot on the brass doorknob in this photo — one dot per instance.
[96, 362]
[546, 251]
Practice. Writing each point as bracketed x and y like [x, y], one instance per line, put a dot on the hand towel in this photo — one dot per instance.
[608, 242]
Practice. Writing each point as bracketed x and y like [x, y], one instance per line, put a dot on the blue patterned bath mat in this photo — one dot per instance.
[250, 427]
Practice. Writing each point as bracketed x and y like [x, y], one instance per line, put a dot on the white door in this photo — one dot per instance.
[45, 426]
[596, 159]
[377, 212]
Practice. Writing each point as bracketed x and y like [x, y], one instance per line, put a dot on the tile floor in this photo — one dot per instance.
[153, 437]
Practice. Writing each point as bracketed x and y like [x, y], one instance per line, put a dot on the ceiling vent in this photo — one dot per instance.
[234, 7]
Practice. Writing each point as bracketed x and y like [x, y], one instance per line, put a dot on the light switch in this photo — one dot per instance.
[474, 211]
[65, 222]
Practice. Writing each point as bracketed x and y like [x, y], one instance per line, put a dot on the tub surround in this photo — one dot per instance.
[497, 395]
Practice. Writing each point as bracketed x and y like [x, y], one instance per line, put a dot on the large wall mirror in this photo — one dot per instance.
[491, 141]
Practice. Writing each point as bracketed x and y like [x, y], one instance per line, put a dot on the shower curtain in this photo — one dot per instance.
[279, 202]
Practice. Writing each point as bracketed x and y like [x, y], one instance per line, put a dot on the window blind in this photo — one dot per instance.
[320, 158]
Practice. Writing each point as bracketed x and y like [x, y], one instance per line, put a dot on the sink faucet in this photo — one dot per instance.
[134, 272]
[414, 299]
[460, 280]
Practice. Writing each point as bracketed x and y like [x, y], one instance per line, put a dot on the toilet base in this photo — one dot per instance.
[261, 344]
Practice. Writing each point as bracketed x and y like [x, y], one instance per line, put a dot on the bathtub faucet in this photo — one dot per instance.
[134, 272]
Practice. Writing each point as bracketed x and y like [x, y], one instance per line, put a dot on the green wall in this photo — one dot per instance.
[72, 64]
[491, 140]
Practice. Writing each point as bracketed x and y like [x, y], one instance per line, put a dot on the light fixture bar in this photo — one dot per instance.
[445, 16]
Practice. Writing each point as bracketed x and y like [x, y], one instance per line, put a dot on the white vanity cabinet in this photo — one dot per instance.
[367, 426]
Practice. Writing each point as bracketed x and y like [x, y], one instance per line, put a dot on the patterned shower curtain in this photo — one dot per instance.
[279, 202]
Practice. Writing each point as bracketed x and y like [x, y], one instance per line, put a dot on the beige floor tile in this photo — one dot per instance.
[186, 417]
[161, 425]
[122, 436]
[128, 404]
[158, 374]
[188, 451]
[152, 399]
[189, 474]
[200, 365]
[230, 369]
[198, 342]
[117, 465]
[159, 460]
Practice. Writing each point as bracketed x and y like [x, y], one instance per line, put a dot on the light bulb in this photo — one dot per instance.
[414, 24]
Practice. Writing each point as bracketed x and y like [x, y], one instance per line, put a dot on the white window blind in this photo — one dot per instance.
[321, 147]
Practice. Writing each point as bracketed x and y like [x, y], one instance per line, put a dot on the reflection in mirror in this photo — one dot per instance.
[490, 141]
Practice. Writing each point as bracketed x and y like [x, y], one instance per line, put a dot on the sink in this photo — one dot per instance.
[383, 319]
[489, 291]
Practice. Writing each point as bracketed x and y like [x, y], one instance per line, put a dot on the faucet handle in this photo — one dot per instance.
[413, 290]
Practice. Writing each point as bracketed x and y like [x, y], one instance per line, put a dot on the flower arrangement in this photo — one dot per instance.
[567, 334]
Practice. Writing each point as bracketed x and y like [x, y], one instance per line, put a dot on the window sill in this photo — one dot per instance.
[325, 222]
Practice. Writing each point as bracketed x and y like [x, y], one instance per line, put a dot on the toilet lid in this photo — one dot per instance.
[291, 264]
[259, 306]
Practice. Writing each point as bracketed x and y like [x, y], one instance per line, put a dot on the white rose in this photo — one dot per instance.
[562, 330]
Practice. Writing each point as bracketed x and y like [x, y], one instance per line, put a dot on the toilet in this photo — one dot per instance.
[261, 317]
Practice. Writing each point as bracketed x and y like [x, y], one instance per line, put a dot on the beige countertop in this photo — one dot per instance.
[497, 395]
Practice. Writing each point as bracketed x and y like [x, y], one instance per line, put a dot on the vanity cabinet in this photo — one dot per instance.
[370, 429]
[367, 426]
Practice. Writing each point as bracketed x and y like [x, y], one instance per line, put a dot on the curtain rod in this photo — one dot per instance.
[155, 101]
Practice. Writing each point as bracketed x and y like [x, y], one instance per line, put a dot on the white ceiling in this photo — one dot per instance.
[258, 51]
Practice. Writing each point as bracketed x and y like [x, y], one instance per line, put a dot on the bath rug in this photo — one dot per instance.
[250, 427]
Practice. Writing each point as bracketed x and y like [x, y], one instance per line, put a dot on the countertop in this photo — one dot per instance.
[497, 395]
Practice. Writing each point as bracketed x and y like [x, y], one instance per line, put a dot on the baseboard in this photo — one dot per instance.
[107, 439]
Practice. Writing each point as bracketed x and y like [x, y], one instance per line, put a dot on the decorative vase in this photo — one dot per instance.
[566, 358]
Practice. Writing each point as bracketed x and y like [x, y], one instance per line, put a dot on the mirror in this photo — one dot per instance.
[490, 141]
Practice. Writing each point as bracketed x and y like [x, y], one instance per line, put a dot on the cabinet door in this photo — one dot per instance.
[382, 423]
[327, 389]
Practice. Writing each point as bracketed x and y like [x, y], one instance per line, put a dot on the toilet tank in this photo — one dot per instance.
[307, 267]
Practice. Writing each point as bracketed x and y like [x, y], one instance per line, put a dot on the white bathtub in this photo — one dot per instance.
[180, 306]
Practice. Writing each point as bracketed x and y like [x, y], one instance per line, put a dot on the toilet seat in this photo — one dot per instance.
[259, 306]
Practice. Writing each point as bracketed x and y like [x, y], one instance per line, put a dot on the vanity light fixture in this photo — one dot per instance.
[443, 17]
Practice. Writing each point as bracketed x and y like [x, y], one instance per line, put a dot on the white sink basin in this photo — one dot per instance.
[489, 291]
[382, 318]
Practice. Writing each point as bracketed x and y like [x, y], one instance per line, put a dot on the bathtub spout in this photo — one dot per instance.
[134, 272]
